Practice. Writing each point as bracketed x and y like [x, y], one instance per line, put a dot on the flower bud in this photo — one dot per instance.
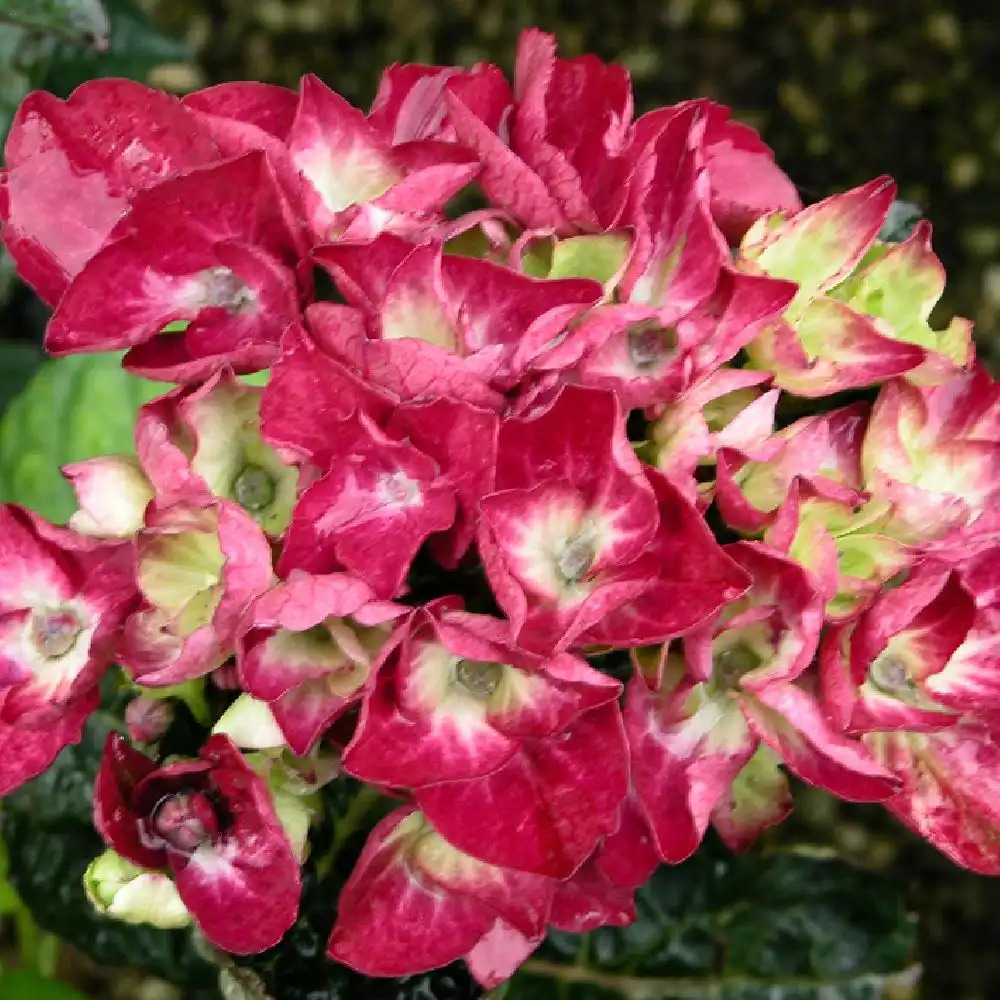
[148, 719]
[119, 889]
[185, 821]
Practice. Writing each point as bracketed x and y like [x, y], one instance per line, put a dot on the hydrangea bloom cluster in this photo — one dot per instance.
[595, 485]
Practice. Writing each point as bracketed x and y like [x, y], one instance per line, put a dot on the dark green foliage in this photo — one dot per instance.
[781, 926]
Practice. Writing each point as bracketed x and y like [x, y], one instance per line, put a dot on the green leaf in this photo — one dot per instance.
[81, 20]
[24, 985]
[71, 409]
[136, 46]
[782, 926]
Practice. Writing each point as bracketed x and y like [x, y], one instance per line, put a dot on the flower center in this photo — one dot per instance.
[649, 343]
[575, 559]
[889, 674]
[222, 289]
[185, 821]
[53, 633]
[253, 488]
[731, 664]
[479, 678]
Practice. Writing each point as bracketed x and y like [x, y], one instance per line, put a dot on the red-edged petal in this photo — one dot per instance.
[588, 900]
[342, 157]
[310, 395]
[506, 179]
[414, 750]
[242, 888]
[269, 108]
[949, 790]
[115, 816]
[757, 799]
[435, 902]
[371, 512]
[746, 182]
[629, 855]
[679, 252]
[462, 439]
[688, 576]
[545, 811]
[790, 721]
[73, 166]
[686, 749]
[821, 245]
[498, 954]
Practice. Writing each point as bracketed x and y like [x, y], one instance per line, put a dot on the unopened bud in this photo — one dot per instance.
[122, 890]
[185, 821]
[148, 719]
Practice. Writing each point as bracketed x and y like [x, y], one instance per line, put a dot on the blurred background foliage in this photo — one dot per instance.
[843, 91]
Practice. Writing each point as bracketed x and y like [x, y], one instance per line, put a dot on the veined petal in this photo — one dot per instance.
[585, 771]
[949, 781]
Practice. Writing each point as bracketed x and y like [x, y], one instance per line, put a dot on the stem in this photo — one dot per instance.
[691, 988]
[47, 956]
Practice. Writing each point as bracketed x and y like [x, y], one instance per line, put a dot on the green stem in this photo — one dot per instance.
[47, 956]
[706, 988]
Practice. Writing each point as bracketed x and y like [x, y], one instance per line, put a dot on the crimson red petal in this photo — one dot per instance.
[546, 810]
